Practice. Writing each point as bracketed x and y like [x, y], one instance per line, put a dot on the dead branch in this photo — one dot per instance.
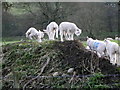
[74, 73]
[28, 8]
[91, 63]
[85, 66]
[46, 55]
[47, 62]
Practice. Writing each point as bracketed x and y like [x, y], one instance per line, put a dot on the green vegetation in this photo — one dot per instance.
[7, 40]
[95, 81]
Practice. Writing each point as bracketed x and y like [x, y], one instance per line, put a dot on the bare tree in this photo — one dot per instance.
[46, 12]
[92, 18]
[6, 6]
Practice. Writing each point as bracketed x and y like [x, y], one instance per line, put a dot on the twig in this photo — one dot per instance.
[85, 67]
[74, 73]
[47, 62]
[51, 70]
[91, 63]
[43, 57]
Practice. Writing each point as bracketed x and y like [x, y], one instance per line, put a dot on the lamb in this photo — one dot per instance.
[68, 29]
[40, 36]
[51, 30]
[109, 38]
[117, 38]
[113, 51]
[98, 46]
[32, 33]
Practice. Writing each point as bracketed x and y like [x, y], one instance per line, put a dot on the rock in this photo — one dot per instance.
[70, 70]
[55, 74]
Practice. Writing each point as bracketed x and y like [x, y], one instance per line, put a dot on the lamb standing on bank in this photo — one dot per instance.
[113, 51]
[51, 30]
[117, 38]
[68, 29]
[97, 45]
[32, 33]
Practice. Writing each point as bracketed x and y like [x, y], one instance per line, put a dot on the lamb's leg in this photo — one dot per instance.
[69, 37]
[112, 59]
[107, 54]
[56, 33]
[72, 36]
[66, 37]
[99, 55]
[52, 34]
[118, 59]
[35, 37]
[61, 36]
[49, 36]
[30, 36]
[102, 54]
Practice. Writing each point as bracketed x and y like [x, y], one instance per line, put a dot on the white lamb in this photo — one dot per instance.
[117, 38]
[97, 45]
[32, 33]
[68, 29]
[113, 51]
[109, 38]
[51, 30]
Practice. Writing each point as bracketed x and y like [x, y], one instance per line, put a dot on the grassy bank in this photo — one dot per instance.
[24, 61]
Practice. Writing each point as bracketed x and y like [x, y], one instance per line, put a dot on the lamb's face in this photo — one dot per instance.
[106, 41]
[89, 40]
[40, 34]
[26, 35]
[78, 32]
